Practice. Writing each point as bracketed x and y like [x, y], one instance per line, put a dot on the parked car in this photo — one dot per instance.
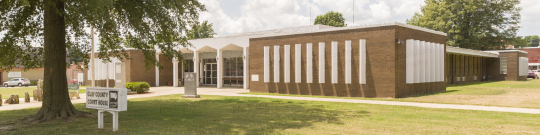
[532, 75]
[537, 74]
[17, 82]
[73, 81]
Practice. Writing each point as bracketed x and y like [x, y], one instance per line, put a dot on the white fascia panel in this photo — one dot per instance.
[321, 62]
[362, 57]
[334, 61]
[298, 63]
[428, 62]
[409, 55]
[287, 64]
[417, 61]
[309, 63]
[276, 63]
[422, 61]
[267, 64]
[348, 62]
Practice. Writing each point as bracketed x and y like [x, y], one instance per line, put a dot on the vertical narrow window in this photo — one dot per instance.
[276, 63]
[362, 57]
[297, 63]
[309, 63]
[503, 65]
[334, 61]
[409, 64]
[322, 63]
[287, 64]
[348, 62]
[417, 61]
[435, 61]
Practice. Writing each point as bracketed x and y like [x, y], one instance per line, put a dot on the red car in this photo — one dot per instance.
[532, 75]
[73, 81]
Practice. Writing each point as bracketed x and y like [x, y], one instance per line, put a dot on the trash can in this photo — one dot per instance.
[169, 83]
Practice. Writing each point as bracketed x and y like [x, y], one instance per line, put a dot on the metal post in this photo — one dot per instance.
[92, 58]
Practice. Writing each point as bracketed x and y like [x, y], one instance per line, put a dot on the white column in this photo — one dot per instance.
[157, 70]
[276, 63]
[196, 67]
[322, 63]
[362, 57]
[441, 60]
[266, 64]
[287, 64]
[175, 72]
[334, 62]
[246, 68]
[219, 59]
[309, 63]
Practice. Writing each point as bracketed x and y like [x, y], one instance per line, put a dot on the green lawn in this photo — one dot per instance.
[6, 92]
[247, 115]
[524, 94]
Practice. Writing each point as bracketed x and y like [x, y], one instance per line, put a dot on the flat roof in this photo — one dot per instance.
[451, 49]
[358, 27]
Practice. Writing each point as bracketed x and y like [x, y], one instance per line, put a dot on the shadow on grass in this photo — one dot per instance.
[226, 115]
[469, 84]
[437, 93]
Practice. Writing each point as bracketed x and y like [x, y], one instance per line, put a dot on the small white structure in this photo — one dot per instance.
[112, 100]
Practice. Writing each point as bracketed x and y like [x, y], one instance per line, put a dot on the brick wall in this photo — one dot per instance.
[384, 78]
[494, 70]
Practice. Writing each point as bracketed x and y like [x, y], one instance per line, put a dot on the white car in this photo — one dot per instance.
[537, 74]
[17, 82]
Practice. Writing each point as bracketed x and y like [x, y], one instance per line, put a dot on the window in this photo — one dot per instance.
[503, 65]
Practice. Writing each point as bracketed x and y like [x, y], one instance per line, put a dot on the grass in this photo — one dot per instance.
[247, 115]
[6, 92]
[523, 94]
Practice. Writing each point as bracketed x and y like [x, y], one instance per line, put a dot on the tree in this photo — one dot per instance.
[331, 19]
[532, 40]
[58, 25]
[203, 30]
[473, 24]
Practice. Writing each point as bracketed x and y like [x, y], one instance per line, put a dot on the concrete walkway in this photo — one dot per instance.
[158, 91]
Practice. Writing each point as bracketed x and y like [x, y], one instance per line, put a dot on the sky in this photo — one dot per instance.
[237, 16]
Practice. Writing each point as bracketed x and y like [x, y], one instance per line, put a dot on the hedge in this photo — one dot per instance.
[139, 87]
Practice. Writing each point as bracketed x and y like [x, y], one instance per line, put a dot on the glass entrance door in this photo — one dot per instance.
[210, 74]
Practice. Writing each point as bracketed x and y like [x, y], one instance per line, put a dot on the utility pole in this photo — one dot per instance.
[353, 12]
[92, 58]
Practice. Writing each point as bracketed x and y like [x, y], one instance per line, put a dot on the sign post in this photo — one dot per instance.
[112, 100]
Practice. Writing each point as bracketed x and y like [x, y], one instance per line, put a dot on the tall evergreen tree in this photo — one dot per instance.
[331, 18]
[58, 25]
[473, 24]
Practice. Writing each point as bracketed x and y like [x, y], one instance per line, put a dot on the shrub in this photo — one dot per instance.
[33, 82]
[139, 87]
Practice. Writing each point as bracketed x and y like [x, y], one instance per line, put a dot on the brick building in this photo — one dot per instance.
[533, 53]
[383, 60]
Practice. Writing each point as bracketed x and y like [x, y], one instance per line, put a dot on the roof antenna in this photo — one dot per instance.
[353, 12]
[309, 13]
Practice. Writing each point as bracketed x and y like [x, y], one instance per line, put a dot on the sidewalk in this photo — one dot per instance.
[158, 91]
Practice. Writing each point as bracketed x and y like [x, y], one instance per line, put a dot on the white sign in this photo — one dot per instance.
[14, 74]
[255, 77]
[80, 77]
[110, 99]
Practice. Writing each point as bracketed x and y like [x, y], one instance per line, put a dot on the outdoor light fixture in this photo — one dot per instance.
[400, 42]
